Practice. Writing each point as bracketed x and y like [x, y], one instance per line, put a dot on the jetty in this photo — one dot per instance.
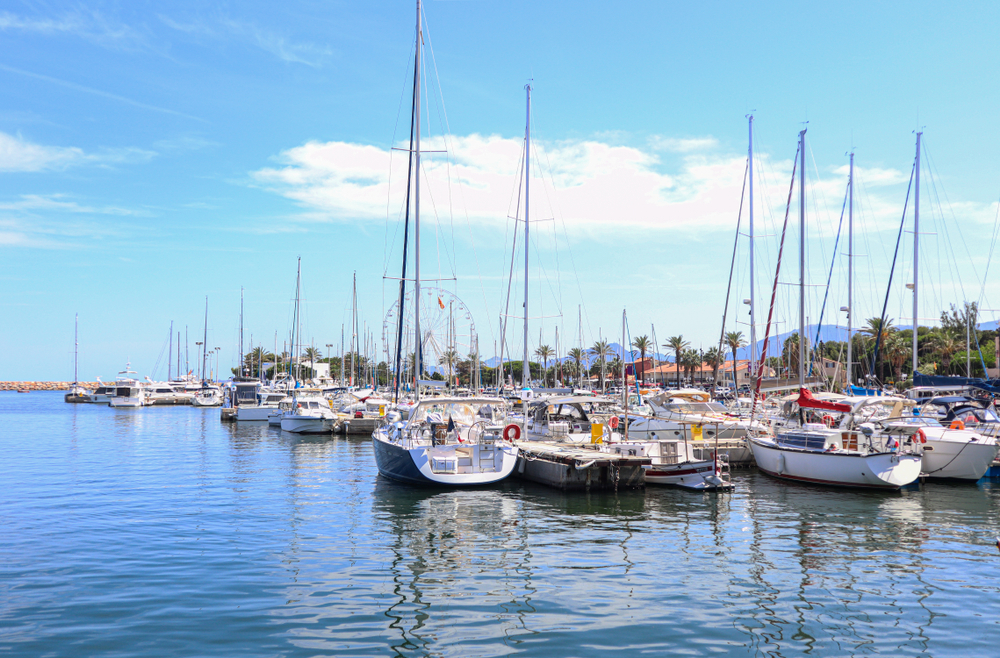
[579, 466]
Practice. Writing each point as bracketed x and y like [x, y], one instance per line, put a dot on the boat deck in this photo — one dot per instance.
[578, 466]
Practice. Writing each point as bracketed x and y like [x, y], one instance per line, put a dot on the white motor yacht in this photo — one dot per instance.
[129, 392]
[309, 414]
[207, 396]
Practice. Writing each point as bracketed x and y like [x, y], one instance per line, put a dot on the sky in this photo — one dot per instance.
[153, 156]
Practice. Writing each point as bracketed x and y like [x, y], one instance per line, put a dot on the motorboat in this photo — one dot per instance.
[309, 414]
[164, 394]
[129, 392]
[207, 396]
[569, 418]
[446, 441]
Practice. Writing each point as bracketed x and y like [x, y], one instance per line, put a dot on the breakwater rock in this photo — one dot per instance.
[43, 386]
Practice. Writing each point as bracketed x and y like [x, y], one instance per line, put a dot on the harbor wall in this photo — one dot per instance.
[43, 386]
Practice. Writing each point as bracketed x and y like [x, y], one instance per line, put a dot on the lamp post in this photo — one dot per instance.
[217, 350]
[329, 351]
[202, 374]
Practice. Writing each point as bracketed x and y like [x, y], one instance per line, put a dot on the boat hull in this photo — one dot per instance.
[694, 476]
[254, 413]
[958, 460]
[416, 465]
[883, 470]
[307, 425]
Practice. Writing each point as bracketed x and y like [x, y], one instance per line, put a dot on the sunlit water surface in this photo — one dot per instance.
[163, 532]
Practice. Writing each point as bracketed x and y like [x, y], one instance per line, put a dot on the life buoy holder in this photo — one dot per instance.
[920, 437]
[613, 422]
[957, 425]
[512, 428]
[828, 420]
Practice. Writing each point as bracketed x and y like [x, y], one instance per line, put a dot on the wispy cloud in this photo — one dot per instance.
[96, 92]
[683, 144]
[59, 203]
[85, 23]
[18, 154]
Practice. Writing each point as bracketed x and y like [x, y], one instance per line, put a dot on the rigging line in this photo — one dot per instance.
[774, 288]
[989, 258]
[395, 130]
[555, 242]
[958, 226]
[732, 264]
[953, 262]
[833, 261]
[899, 238]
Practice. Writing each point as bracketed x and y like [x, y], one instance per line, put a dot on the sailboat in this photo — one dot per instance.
[77, 393]
[819, 452]
[453, 442]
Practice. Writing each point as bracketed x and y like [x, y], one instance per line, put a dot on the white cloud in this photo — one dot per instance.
[589, 184]
[17, 154]
[88, 24]
[683, 145]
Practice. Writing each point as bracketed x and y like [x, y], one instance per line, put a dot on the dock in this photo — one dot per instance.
[359, 426]
[578, 466]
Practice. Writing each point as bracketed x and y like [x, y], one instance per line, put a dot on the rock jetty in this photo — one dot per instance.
[43, 386]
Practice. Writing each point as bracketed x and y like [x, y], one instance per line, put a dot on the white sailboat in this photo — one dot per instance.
[77, 393]
[815, 452]
[450, 442]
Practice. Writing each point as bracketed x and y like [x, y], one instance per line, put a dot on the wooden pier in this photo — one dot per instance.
[359, 426]
[578, 466]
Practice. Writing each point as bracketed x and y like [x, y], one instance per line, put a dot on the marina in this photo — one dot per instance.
[242, 539]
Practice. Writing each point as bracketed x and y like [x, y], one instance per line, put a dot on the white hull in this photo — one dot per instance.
[697, 476]
[207, 401]
[125, 402]
[454, 465]
[307, 424]
[254, 413]
[958, 459]
[883, 470]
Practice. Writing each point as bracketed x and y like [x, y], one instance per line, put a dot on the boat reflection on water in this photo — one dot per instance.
[851, 557]
[461, 567]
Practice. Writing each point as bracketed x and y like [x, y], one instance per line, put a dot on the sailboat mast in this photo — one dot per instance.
[802, 258]
[204, 345]
[916, 252]
[850, 266]
[354, 323]
[241, 331]
[295, 322]
[417, 351]
[525, 370]
[753, 324]
[170, 351]
[76, 348]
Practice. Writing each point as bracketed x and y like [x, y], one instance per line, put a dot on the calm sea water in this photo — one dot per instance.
[163, 532]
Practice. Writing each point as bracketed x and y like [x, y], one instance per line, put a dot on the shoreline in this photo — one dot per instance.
[44, 386]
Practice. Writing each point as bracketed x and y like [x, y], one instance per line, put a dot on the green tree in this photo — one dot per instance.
[734, 339]
[544, 352]
[601, 350]
[577, 355]
[714, 357]
[449, 359]
[643, 344]
[677, 344]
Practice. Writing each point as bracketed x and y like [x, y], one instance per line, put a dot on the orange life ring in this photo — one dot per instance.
[828, 420]
[516, 429]
[957, 425]
[613, 422]
[920, 436]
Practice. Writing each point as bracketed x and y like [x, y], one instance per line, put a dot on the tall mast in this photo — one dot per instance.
[525, 370]
[916, 253]
[850, 266]
[295, 321]
[753, 324]
[204, 345]
[241, 331]
[417, 347]
[802, 258]
[76, 348]
[170, 351]
[354, 322]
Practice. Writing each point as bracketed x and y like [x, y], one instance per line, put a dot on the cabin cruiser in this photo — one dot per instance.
[569, 418]
[207, 396]
[128, 391]
[310, 413]
[446, 441]
[823, 449]
[103, 393]
[166, 394]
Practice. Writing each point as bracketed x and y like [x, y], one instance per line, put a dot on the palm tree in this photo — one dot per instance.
[601, 350]
[896, 351]
[577, 355]
[449, 358]
[714, 357]
[311, 354]
[734, 339]
[677, 344]
[947, 347]
[691, 360]
[544, 352]
[642, 343]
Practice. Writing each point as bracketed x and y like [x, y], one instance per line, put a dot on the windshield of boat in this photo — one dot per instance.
[697, 407]
[463, 413]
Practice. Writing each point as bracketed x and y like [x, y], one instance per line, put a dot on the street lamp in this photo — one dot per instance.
[329, 351]
[217, 350]
[199, 344]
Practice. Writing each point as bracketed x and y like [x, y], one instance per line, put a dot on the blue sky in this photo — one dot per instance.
[152, 155]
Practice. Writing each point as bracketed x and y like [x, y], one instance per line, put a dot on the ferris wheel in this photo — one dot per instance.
[446, 327]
